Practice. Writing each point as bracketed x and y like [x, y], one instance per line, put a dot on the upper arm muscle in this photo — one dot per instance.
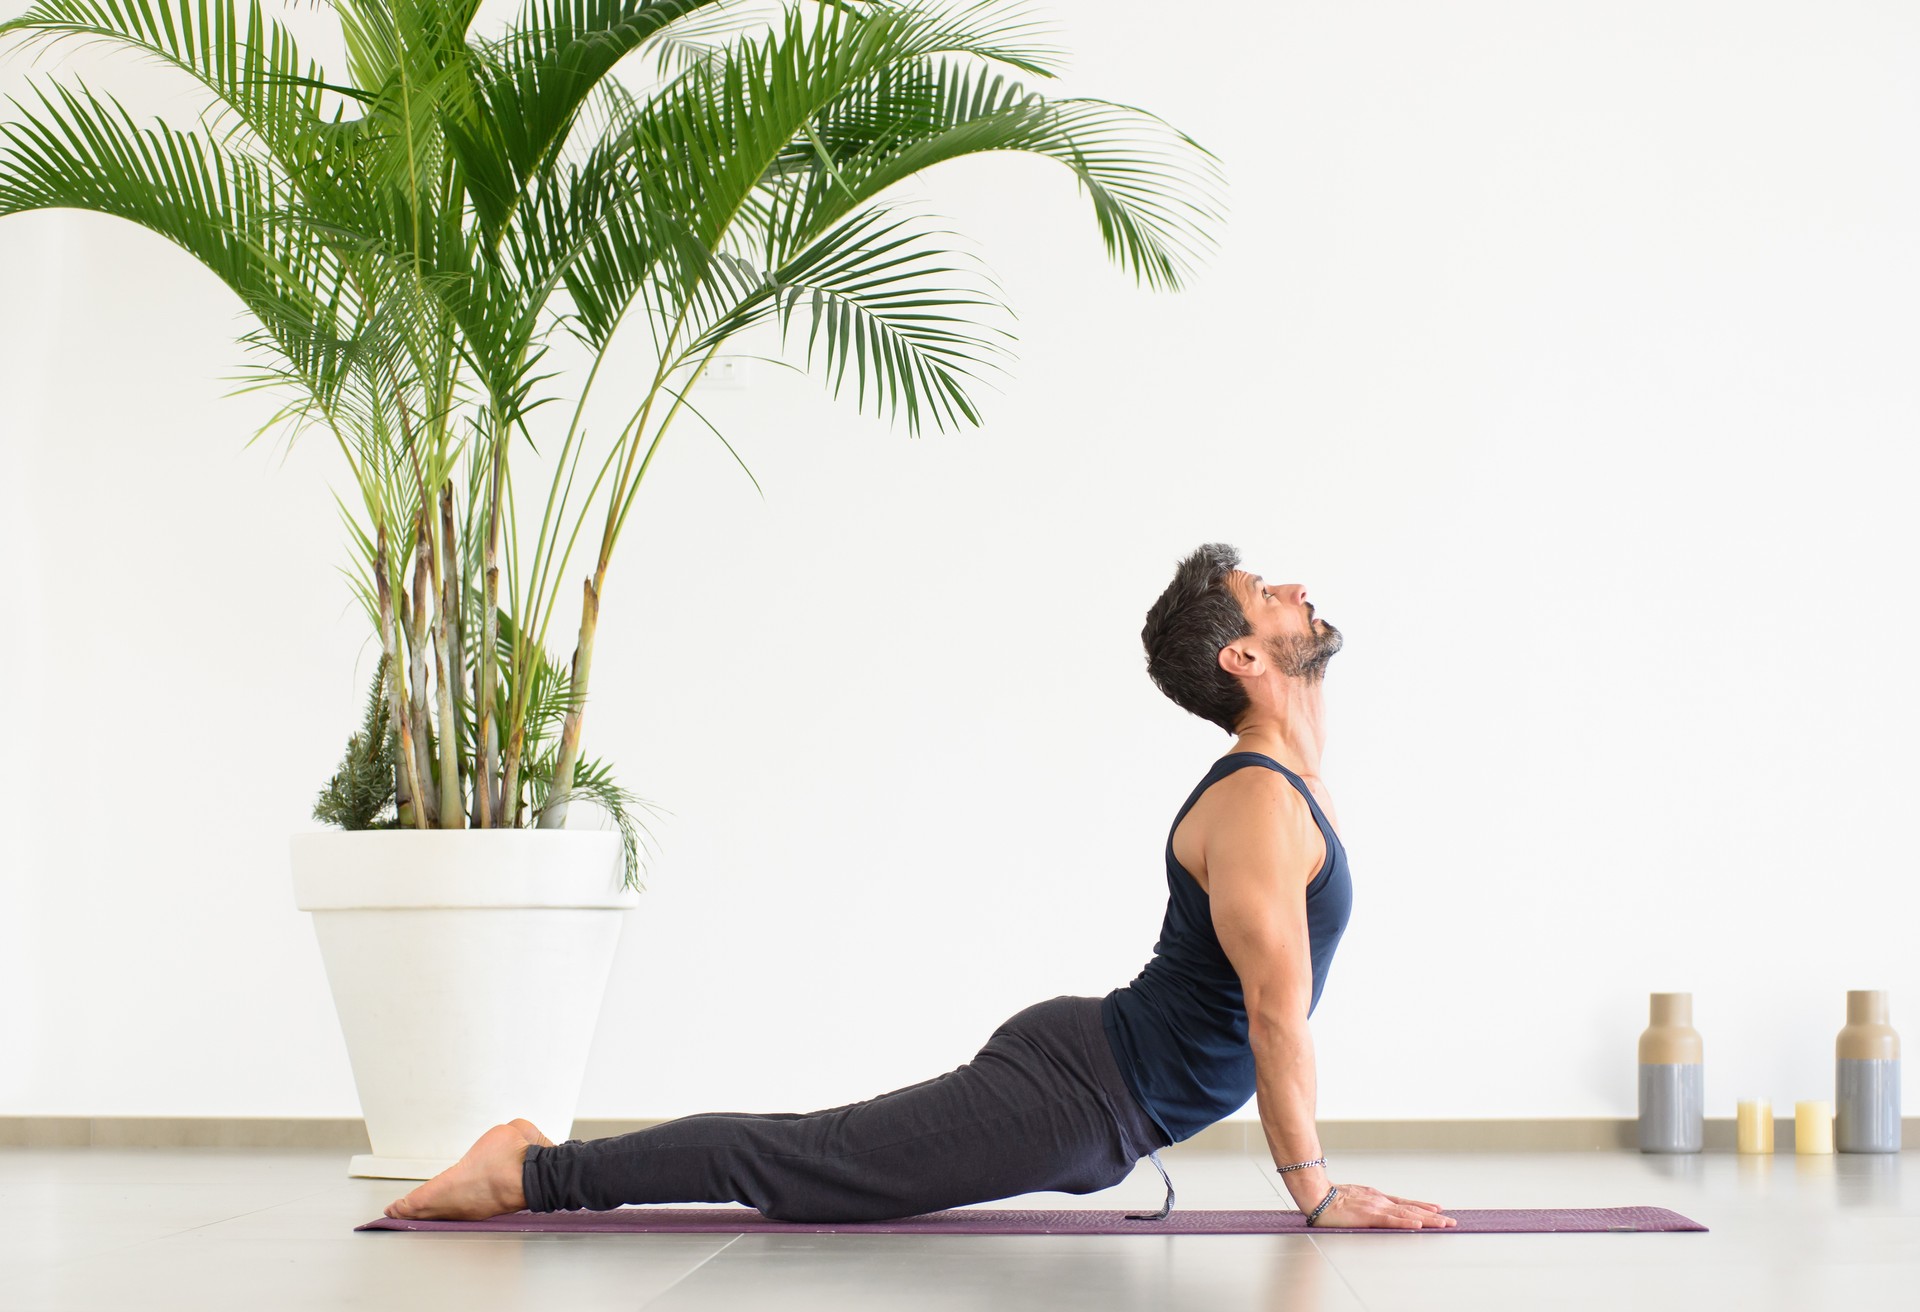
[1258, 866]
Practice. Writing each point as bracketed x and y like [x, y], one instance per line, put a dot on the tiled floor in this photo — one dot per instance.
[260, 1230]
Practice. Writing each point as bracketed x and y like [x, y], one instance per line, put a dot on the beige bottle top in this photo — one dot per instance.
[1671, 1037]
[1867, 1036]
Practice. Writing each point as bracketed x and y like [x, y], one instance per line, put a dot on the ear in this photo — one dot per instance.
[1241, 658]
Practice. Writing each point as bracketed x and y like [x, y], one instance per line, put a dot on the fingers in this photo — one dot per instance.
[1368, 1191]
[1414, 1215]
[1391, 1210]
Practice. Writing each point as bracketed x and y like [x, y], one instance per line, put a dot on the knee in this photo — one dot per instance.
[1095, 1176]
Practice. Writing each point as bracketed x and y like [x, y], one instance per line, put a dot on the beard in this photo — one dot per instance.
[1305, 657]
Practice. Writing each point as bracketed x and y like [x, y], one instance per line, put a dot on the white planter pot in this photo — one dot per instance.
[468, 967]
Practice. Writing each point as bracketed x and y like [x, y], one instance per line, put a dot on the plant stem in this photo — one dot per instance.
[554, 814]
[454, 566]
[422, 727]
[407, 786]
[486, 734]
[451, 816]
[510, 786]
[543, 560]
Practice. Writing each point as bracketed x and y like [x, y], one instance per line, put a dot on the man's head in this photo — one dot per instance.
[1219, 636]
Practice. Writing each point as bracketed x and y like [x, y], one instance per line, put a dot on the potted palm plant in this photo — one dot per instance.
[412, 236]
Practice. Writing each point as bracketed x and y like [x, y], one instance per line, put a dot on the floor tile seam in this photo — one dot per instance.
[1314, 1242]
[255, 1211]
[173, 1234]
[1270, 1179]
[690, 1272]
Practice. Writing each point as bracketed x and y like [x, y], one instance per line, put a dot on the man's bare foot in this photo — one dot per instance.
[531, 1130]
[484, 1183]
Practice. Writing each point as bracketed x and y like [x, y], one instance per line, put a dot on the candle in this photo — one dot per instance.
[1756, 1126]
[1813, 1127]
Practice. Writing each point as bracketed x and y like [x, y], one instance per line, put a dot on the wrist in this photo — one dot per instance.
[1308, 1186]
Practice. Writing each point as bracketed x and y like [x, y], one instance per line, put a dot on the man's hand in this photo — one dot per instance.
[1359, 1207]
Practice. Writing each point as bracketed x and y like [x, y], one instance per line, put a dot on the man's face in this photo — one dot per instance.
[1299, 643]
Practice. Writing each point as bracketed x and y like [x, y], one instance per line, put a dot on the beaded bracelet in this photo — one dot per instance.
[1331, 1191]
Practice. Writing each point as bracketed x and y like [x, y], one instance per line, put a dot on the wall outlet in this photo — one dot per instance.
[727, 373]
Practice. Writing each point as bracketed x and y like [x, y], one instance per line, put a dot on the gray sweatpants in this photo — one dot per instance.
[1041, 1107]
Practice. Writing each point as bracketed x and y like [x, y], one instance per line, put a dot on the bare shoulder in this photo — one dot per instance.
[1253, 819]
[1259, 797]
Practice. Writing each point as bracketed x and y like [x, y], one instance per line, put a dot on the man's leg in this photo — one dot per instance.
[1030, 1112]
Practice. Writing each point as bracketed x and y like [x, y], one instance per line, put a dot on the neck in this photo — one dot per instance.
[1292, 729]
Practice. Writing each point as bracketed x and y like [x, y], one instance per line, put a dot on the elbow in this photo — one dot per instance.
[1278, 1019]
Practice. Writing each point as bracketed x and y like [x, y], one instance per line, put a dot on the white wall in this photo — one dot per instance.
[1565, 351]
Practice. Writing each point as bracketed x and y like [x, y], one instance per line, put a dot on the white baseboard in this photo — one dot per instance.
[1551, 1134]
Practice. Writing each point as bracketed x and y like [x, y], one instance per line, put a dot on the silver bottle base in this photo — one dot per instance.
[1673, 1107]
[1866, 1105]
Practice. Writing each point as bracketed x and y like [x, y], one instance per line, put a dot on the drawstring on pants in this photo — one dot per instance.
[1167, 1207]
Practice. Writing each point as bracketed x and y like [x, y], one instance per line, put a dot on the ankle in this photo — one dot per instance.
[513, 1187]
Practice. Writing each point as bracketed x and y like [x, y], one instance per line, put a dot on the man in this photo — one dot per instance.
[1069, 1094]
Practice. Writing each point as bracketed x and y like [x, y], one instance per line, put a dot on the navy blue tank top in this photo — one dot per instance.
[1179, 1031]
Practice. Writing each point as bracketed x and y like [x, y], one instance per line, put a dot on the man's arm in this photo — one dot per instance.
[1259, 860]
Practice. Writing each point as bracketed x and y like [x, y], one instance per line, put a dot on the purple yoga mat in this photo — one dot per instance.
[1068, 1221]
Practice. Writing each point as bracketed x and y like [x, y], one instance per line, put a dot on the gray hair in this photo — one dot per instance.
[1195, 617]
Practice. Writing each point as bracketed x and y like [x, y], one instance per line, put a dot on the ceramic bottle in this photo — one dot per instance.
[1673, 1102]
[1866, 1077]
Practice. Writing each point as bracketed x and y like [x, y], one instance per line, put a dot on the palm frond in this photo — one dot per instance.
[593, 779]
[525, 98]
[218, 205]
[700, 39]
[256, 72]
[882, 298]
[1156, 193]
[993, 30]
